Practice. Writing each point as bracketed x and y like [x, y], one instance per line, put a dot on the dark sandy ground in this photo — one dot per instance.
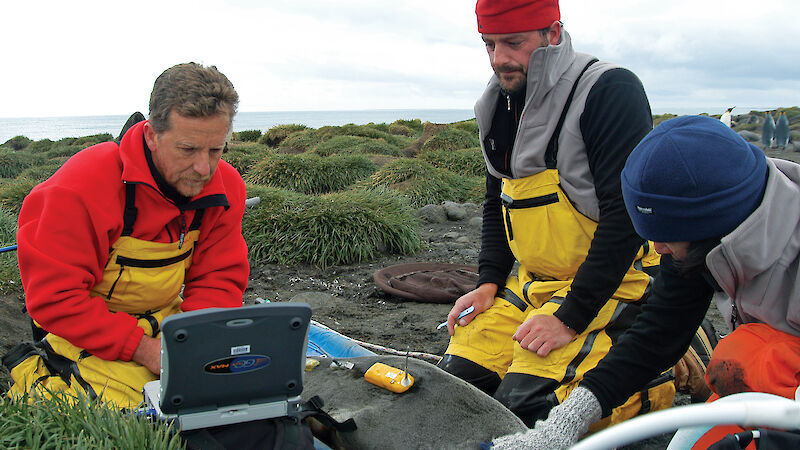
[346, 298]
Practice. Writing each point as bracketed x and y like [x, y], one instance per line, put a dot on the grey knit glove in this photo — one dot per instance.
[565, 424]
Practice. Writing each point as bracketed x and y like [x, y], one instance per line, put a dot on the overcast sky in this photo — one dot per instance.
[101, 57]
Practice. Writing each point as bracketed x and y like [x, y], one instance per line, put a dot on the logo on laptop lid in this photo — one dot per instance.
[237, 364]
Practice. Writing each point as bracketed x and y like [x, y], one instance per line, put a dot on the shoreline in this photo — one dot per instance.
[60, 127]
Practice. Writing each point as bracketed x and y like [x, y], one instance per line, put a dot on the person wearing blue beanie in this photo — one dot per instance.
[692, 178]
[726, 220]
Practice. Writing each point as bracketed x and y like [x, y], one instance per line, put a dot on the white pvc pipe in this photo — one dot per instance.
[772, 411]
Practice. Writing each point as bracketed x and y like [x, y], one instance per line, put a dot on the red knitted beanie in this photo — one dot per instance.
[515, 16]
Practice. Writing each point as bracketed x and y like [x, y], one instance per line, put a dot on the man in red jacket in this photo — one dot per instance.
[126, 234]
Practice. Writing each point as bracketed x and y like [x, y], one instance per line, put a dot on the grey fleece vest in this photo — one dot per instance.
[552, 71]
[758, 264]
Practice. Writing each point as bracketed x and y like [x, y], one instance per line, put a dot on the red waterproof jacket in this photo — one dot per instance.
[69, 222]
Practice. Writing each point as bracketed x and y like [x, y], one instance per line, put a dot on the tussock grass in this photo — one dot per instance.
[39, 146]
[368, 131]
[57, 151]
[415, 124]
[59, 423]
[424, 184]
[356, 144]
[17, 142]
[67, 147]
[300, 141]
[401, 130]
[242, 156]
[275, 135]
[311, 174]
[12, 163]
[9, 271]
[470, 126]
[247, 135]
[658, 118]
[466, 161]
[86, 141]
[13, 192]
[41, 172]
[328, 230]
[450, 139]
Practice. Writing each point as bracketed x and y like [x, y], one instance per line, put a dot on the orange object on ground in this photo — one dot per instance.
[754, 358]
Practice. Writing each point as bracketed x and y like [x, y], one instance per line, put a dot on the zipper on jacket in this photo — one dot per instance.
[183, 230]
[509, 203]
[152, 263]
[113, 285]
[508, 99]
[508, 226]
[541, 200]
[734, 315]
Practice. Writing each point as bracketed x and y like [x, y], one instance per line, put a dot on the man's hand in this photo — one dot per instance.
[565, 424]
[543, 334]
[482, 298]
[148, 354]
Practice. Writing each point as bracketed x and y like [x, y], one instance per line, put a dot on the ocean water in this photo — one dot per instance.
[55, 128]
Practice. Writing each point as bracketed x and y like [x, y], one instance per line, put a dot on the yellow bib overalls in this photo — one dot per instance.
[550, 239]
[141, 278]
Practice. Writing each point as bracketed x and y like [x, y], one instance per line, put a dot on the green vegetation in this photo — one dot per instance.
[658, 118]
[339, 228]
[65, 423]
[243, 155]
[311, 174]
[466, 161]
[87, 141]
[247, 135]
[355, 144]
[401, 130]
[275, 135]
[17, 143]
[300, 141]
[41, 173]
[422, 183]
[470, 126]
[450, 139]
[9, 271]
[12, 163]
[13, 192]
[368, 131]
[416, 125]
[40, 146]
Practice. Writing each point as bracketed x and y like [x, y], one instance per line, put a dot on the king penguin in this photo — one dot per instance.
[726, 117]
[782, 130]
[768, 130]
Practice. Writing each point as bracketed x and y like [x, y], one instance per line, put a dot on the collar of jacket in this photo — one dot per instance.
[136, 170]
[546, 66]
[766, 237]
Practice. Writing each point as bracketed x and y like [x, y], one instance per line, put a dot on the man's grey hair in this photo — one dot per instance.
[191, 90]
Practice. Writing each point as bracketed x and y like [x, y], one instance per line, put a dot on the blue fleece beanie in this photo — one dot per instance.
[692, 178]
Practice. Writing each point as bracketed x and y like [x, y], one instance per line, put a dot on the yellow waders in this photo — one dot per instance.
[551, 239]
[141, 278]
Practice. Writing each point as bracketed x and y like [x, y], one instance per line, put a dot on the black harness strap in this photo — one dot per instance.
[130, 212]
[551, 154]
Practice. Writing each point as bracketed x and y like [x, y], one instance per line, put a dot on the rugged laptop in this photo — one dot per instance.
[228, 365]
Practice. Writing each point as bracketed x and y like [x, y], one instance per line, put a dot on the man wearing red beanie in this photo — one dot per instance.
[556, 127]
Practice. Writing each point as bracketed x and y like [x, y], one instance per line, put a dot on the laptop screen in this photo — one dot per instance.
[218, 357]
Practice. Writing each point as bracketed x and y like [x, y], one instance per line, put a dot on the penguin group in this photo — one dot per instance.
[775, 133]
